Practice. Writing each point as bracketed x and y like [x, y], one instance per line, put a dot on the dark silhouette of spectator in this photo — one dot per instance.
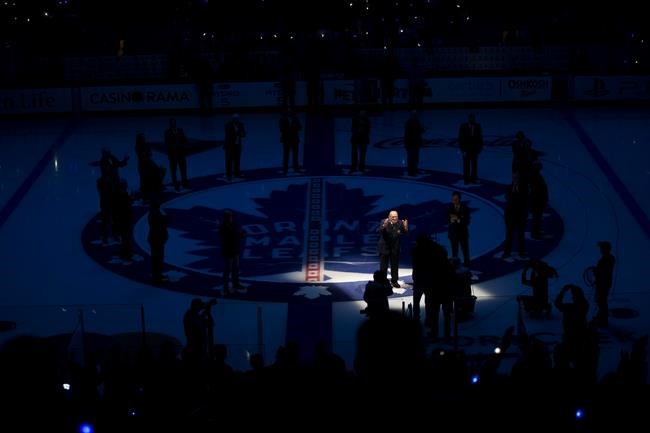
[391, 342]
[230, 237]
[534, 366]
[388, 246]
[256, 361]
[470, 141]
[232, 145]
[176, 144]
[441, 293]
[540, 273]
[360, 138]
[515, 215]
[328, 368]
[290, 128]
[221, 373]
[421, 260]
[413, 131]
[523, 157]
[109, 166]
[198, 327]
[461, 289]
[604, 274]
[574, 315]
[538, 199]
[579, 345]
[258, 377]
[150, 173]
[376, 295]
[107, 187]
[633, 365]
[287, 371]
[158, 222]
[458, 229]
[144, 154]
[151, 177]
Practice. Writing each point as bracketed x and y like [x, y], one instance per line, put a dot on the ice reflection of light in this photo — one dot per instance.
[479, 291]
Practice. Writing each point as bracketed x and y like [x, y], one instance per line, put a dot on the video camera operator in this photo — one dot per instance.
[198, 325]
[540, 272]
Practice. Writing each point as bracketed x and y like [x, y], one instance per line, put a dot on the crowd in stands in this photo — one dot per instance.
[116, 390]
[257, 39]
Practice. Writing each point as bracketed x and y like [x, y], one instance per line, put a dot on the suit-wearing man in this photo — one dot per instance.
[516, 215]
[523, 157]
[388, 245]
[230, 237]
[459, 219]
[232, 145]
[470, 141]
[176, 144]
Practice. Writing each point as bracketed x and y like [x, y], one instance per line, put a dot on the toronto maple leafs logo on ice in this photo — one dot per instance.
[275, 236]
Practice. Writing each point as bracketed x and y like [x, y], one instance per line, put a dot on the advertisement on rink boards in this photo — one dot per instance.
[611, 88]
[24, 101]
[439, 90]
[186, 96]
